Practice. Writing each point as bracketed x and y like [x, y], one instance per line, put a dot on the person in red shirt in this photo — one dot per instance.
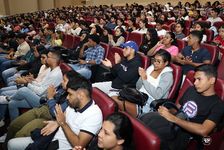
[219, 40]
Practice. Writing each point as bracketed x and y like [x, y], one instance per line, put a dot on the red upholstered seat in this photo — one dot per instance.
[213, 50]
[69, 41]
[209, 34]
[105, 103]
[145, 61]
[221, 69]
[76, 41]
[166, 27]
[144, 138]
[187, 24]
[177, 74]
[218, 24]
[181, 44]
[111, 53]
[106, 48]
[65, 67]
[150, 25]
[137, 37]
[186, 31]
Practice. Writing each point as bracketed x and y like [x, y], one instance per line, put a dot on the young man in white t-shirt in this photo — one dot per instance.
[80, 122]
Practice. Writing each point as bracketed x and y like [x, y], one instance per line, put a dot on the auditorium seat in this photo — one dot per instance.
[220, 69]
[112, 51]
[213, 50]
[150, 25]
[181, 44]
[187, 24]
[76, 41]
[177, 75]
[137, 37]
[106, 48]
[144, 138]
[68, 41]
[145, 61]
[105, 103]
[65, 67]
[209, 34]
[166, 27]
[218, 24]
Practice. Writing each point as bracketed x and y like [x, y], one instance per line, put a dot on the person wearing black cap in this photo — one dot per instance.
[125, 72]
[93, 55]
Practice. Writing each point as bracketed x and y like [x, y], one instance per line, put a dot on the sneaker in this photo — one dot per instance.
[2, 123]
[3, 100]
[2, 138]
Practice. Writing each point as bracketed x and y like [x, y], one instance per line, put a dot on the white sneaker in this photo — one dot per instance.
[3, 100]
[2, 123]
[2, 138]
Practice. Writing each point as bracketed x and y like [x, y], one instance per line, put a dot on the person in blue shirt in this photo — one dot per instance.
[93, 55]
[193, 55]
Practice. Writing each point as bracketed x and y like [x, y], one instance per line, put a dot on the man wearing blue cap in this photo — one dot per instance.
[125, 71]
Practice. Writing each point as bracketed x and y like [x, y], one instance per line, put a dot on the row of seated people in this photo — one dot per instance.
[150, 140]
[127, 53]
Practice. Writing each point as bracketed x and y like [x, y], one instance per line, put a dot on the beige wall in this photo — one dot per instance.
[45, 4]
[2, 8]
[22, 6]
[60, 3]
[120, 2]
[10, 7]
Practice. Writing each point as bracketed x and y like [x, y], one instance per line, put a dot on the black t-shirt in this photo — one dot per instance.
[200, 108]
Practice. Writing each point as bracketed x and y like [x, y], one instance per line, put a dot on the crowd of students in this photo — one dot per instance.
[63, 114]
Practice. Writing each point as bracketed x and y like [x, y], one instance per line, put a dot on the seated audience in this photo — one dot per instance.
[193, 55]
[142, 27]
[34, 118]
[130, 25]
[200, 104]
[118, 37]
[156, 82]
[150, 39]
[105, 36]
[77, 126]
[219, 40]
[168, 43]
[91, 56]
[125, 71]
[160, 31]
[29, 95]
[178, 30]
[116, 133]
[214, 16]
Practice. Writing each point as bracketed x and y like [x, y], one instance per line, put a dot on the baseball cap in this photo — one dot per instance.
[130, 44]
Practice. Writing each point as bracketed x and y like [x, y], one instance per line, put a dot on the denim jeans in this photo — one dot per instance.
[23, 98]
[10, 81]
[84, 71]
[6, 64]
[6, 91]
[8, 73]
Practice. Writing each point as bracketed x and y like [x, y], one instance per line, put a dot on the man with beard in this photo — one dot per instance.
[29, 95]
[80, 122]
[32, 119]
